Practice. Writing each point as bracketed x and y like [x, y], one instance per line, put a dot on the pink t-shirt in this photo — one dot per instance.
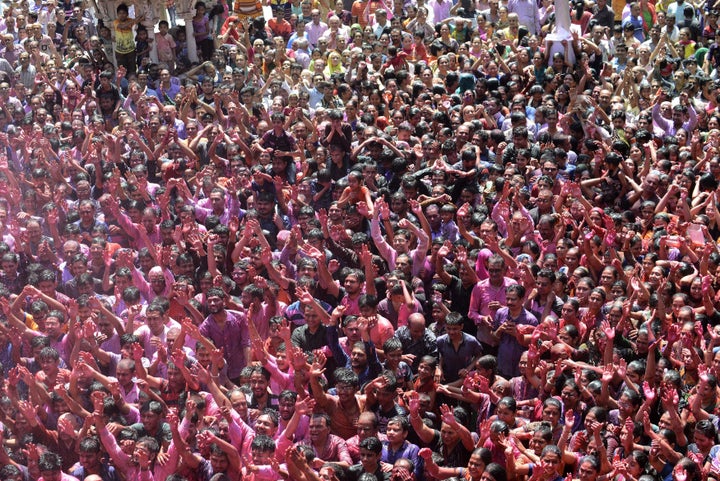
[165, 45]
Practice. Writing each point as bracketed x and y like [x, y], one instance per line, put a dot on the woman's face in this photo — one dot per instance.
[552, 459]
[696, 288]
[595, 301]
[656, 275]
[634, 469]
[587, 472]
[475, 466]
[551, 414]
[505, 415]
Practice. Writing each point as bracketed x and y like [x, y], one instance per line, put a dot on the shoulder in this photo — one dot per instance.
[470, 339]
[530, 317]
[337, 440]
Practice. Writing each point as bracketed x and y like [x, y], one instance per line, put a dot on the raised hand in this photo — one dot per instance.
[304, 296]
[608, 330]
[569, 417]
[621, 368]
[304, 406]
[608, 373]
[649, 392]
[414, 403]
[447, 416]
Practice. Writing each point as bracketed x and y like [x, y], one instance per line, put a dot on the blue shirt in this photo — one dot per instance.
[407, 451]
[510, 350]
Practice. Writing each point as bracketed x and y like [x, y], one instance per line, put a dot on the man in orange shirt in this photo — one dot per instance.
[279, 26]
[358, 12]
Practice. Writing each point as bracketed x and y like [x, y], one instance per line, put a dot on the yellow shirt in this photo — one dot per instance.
[124, 39]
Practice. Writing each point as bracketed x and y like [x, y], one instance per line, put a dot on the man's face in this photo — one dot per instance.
[546, 230]
[264, 207]
[264, 425]
[513, 301]
[417, 329]
[215, 304]
[124, 375]
[89, 461]
[651, 183]
[352, 285]
[47, 288]
[239, 403]
[318, 429]
[49, 366]
[258, 384]
[454, 332]
[52, 327]
[677, 117]
[51, 475]
[395, 433]
[150, 421]
[77, 268]
[358, 358]
[433, 216]
[369, 459]
[155, 321]
[9, 268]
[286, 408]
[496, 272]
[219, 462]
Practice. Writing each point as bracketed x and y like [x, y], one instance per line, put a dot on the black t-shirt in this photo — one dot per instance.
[283, 142]
[457, 458]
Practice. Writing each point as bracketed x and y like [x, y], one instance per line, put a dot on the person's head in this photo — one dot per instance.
[506, 409]
[370, 453]
[263, 449]
[122, 11]
[146, 447]
[286, 404]
[150, 415]
[398, 428]
[588, 468]
[259, 382]
[319, 427]
[216, 300]
[705, 435]
[10, 472]
[49, 360]
[90, 455]
[453, 325]
[493, 472]
[367, 425]
[50, 466]
[514, 297]
[551, 411]
[496, 266]
[267, 423]
[54, 322]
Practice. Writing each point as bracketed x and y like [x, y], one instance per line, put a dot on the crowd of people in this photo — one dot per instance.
[369, 240]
